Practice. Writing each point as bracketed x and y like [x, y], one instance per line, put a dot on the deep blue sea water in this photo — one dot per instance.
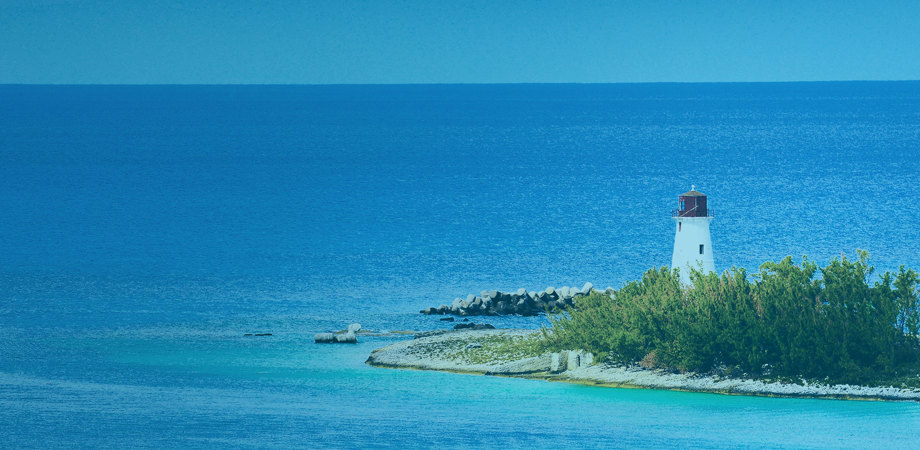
[145, 229]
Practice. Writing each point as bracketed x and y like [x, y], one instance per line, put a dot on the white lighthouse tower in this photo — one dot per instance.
[692, 244]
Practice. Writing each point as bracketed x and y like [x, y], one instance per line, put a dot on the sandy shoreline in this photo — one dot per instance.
[485, 352]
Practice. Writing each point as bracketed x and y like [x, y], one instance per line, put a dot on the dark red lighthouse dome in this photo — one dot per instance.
[692, 204]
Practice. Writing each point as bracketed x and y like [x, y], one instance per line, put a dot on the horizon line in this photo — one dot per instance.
[467, 83]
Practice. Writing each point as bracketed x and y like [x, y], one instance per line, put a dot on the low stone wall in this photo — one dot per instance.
[522, 302]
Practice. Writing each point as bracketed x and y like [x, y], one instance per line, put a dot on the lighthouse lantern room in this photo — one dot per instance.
[692, 243]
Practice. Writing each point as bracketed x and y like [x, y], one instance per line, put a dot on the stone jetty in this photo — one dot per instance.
[522, 302]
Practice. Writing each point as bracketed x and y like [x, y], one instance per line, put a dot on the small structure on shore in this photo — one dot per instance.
[692, 243]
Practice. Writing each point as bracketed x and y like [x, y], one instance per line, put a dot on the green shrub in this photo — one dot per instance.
[798, 320]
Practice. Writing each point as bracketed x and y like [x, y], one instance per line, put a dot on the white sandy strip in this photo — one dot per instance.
[637, 376]
[444, 352]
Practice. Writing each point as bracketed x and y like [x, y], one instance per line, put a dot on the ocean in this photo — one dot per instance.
[144, 230]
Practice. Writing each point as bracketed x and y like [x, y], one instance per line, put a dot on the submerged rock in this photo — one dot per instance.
[473, 326]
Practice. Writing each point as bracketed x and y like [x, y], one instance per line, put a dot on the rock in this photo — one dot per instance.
[522, 302]
[473, 345]
[473, 326]
[354, 328]
[346, 338]
[324, 338]
[586, 359]
[533, 364]
[424, 334]
[447, 319]
[558, 362]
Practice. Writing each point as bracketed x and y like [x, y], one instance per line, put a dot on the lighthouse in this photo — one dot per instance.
[692, 244]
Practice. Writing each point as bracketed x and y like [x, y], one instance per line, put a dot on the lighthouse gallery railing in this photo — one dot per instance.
[690, 213]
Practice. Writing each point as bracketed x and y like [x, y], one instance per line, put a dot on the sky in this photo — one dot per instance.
[441, 41]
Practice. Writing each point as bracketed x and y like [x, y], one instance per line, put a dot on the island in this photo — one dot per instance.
[792, 329]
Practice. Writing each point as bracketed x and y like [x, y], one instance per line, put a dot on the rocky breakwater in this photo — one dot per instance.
[522, 302]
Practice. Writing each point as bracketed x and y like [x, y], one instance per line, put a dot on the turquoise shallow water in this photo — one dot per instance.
[214, 388]
[146, 229]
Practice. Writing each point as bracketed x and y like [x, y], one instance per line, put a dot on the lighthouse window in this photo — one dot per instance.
[701, 249]
[683, 205]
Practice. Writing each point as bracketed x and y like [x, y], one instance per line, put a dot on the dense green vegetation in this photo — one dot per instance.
[789, 320]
